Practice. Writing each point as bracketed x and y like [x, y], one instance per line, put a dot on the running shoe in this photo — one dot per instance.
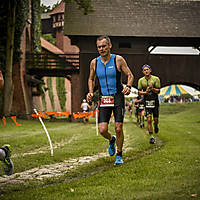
[142, 125]
[156, 128]
[119, 160]
[7, 162]
[111, 149]
[152, 141]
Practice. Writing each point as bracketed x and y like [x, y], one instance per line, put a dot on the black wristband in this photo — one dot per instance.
[128, 86]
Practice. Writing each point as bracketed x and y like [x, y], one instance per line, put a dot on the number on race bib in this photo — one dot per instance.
[107, 101]
[150, 104]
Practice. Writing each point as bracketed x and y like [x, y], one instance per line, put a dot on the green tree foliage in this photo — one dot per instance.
[49, 38]
[21, 18]
[51, 95]
[47, 9]
[36, 26]
[14, 12]
[61, 92]
[3, 32]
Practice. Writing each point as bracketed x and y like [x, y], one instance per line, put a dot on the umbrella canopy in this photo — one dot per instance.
[196, 93]
[172, 90]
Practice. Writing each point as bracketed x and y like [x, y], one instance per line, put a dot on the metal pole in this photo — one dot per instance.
[51, 146]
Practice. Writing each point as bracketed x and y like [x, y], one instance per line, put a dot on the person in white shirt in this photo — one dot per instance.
[85, 108]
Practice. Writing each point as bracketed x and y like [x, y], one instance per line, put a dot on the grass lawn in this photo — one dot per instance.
[169, 170]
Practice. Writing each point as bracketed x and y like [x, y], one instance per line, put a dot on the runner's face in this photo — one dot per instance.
[146, 71]
[103, 47]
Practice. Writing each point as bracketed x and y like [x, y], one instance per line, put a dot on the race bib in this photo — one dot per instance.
[150, 104]
[107, 101]
[141, 107]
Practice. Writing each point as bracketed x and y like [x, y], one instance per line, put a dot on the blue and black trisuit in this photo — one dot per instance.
[109, 79]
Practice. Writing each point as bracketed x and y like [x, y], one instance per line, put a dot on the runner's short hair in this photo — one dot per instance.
[104, 37]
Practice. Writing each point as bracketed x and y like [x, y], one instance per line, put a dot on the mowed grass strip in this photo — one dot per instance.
[168, 170]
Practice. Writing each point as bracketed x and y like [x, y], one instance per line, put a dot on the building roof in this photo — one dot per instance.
[50, 47]
[140, 18]
[60, 8]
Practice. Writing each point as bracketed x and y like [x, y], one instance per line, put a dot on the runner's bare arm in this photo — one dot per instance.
[155, 90]
[91, 80]
[140, 92]
[123, 67]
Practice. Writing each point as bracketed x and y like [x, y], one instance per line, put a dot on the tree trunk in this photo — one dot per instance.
[9, 88]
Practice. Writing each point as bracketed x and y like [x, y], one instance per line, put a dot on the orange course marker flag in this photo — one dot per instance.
[51, 113]
[65, 113]
[39, 115]
[14, 119]
[75, 115]
[4, 121]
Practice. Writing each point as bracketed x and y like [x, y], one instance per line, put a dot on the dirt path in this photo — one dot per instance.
[58, 169]
[52, 170]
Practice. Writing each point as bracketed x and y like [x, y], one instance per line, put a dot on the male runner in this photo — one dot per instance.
[141, 111]
[5, 150]
[107, 68]
[149, 86]
[130, 107]
[136, 106]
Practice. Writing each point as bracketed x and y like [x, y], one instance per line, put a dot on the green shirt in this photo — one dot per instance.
[143, 82]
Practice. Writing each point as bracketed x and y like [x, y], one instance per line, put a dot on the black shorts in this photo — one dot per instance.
[152, 111]
[140, 110]
[136, 111]
[118, 110]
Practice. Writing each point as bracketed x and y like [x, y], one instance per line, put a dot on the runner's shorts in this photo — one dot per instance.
[140, 110]
[153, 111]
[136, 111]
[118, 110]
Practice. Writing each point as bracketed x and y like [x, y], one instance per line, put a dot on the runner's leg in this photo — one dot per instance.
[150, 129]
[143, 113]
[103, 129]
[149, 124]
[119, 136]
[155, 117]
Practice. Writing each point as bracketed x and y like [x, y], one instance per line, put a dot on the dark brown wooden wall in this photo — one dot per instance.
[170, 68]
[183, 69]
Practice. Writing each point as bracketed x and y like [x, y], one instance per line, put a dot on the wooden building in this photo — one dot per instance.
[134, 27]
